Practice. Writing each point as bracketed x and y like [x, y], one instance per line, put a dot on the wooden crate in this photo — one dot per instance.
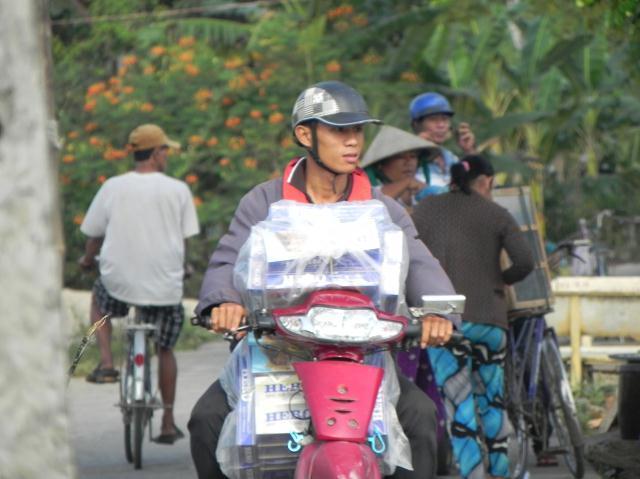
[532, 295]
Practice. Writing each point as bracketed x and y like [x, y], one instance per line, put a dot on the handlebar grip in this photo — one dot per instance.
[414, 331]
[202, 321]
[456, 337]
[262, 321]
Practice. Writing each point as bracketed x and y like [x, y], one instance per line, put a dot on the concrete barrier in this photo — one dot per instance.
[597, 307]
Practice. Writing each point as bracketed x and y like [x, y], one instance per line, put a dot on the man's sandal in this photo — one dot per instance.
[103, 375]
[169, 438]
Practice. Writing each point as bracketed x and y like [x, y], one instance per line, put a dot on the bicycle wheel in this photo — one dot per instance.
[138, 424]
[518, 441]
[126, 403]
[562, 409]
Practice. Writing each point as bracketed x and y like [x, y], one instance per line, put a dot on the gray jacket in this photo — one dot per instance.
[425, 275]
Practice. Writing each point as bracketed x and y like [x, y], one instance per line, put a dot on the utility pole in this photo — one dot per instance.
[33, 422]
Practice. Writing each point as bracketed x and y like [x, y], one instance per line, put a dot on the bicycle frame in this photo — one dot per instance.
[540, 397]
[139, 356]
[529, 341]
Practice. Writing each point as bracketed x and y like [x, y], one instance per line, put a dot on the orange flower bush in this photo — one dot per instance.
[158, 50]
[147, 107]
[196, 140]
[255, 114]
[237, 143]
[232, 122]
[90, 126]
[276, 117]
[68, 159]
[191, 178]
[250, 163]
[233, 63]
[191, 70]
[96, 88]
[129, 60]
[186, 42]
[203, 94]
[213, 141]
[411, 77]
[90, 105]
[333, 67]
[186, 57]
[112, 154]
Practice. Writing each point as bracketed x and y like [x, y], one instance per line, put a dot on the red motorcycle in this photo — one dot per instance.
[340, 328]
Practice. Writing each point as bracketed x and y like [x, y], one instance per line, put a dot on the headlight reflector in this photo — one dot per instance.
[341, 325]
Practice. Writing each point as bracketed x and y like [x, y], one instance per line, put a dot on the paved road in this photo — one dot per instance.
[97, 432]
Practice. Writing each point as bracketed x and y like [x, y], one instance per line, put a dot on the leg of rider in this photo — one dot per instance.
[167, 375]
[417, 415]
[170, 319]
[103, 334]
[205, 425]
[452, 369]
[489, 350]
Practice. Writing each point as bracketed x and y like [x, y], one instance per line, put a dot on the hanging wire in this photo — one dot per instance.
[130, 17]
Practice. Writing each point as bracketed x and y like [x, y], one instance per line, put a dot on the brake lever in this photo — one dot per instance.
[231, 335]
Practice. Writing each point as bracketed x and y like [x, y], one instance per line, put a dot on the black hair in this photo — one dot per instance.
[142, 155]
[468, 169]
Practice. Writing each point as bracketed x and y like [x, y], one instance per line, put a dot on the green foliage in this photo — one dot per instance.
[550, 84]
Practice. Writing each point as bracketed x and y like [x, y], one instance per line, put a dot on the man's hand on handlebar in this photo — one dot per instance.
[228, 317]
[436, 331]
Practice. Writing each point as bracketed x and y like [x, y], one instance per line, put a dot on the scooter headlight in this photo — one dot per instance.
[341, 325]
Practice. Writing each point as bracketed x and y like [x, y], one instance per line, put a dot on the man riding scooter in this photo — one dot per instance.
[328, 120]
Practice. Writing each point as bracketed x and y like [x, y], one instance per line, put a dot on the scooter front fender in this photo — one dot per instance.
[337, 460]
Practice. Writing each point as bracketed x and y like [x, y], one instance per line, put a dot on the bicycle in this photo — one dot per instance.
[540, 403]
[137, 398]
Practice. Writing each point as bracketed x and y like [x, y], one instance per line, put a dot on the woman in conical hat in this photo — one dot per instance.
[392, 161]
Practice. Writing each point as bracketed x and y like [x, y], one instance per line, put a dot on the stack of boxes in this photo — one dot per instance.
[302, 248]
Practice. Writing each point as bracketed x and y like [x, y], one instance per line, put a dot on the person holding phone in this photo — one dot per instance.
[431, 115]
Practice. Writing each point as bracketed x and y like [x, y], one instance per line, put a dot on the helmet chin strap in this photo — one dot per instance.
[313, 153]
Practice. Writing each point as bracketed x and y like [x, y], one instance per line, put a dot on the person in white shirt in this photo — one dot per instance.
[139, 222]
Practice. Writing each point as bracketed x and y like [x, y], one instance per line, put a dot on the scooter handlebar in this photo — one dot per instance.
[413, 331]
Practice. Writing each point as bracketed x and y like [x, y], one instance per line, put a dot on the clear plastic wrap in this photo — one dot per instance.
[301, 247]
[297, 249]
[270, 417]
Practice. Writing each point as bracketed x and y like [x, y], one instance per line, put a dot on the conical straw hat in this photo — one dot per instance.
[391, 141]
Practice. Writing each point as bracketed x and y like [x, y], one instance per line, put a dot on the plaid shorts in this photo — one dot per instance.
[170, 318]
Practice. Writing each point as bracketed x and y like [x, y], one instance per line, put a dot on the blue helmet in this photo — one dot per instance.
[427, 104]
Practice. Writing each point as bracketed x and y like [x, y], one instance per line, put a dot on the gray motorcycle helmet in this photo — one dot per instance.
[333, 103]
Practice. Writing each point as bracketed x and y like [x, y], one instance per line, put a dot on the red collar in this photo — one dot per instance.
[360, 187]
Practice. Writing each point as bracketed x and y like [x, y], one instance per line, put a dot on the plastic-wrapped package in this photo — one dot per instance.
[269, 421]
[301, 247]
[297, 249]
